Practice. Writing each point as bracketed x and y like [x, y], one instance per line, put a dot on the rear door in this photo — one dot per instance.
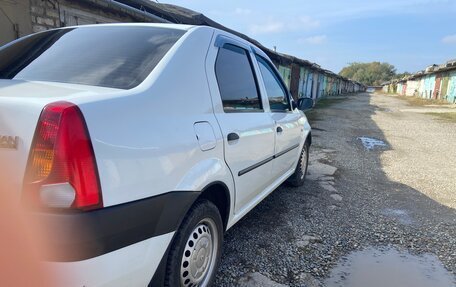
[287, 126]
[247, 130]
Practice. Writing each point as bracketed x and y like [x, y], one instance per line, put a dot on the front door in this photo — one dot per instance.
[247, 130]
[288, 126]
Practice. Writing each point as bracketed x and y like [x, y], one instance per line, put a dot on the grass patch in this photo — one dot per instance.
[445, 116]
[416, 101]
[314, 115]
[327, 102]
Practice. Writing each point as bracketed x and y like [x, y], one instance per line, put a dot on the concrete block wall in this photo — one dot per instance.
[48, 14]
[44, 15]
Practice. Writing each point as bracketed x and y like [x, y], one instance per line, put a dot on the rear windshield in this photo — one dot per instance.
[108, 56]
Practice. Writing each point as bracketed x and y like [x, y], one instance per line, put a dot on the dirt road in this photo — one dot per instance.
[381, 190]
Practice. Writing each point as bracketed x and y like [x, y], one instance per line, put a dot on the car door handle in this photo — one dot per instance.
[279, 129]
[232, 137]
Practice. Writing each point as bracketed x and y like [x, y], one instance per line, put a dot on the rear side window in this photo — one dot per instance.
[277, 95]
[108, 56]
[237, 85]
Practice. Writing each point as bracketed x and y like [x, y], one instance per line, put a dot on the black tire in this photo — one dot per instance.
[204, 214]
[299, 176]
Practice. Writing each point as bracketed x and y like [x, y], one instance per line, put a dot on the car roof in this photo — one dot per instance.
[161, 25]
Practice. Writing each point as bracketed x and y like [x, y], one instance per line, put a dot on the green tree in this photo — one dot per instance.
[401, 75]
[371, 74]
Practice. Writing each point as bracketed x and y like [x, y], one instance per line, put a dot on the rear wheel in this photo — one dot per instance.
[195, 252]
[299, 176]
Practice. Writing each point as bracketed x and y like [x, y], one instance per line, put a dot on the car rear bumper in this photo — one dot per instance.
[133, 265]
[77, 236]
[113, 246]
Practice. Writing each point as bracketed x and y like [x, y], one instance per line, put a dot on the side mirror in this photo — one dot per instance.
[305, 104]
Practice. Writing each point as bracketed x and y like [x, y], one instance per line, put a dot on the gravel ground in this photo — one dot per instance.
[401, 195]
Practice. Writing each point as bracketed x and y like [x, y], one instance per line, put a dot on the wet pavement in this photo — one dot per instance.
[371, 143]
[375, 267]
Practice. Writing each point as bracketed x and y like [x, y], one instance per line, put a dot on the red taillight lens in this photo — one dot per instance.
[62, 159]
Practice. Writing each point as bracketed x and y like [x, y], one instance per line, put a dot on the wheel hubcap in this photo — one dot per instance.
[199, 255]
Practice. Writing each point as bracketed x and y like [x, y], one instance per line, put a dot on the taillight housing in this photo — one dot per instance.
[62, 171]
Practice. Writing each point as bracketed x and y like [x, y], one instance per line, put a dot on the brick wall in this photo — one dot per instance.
[47, 14]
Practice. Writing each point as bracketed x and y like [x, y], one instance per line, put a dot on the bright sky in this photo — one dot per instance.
[410, 34]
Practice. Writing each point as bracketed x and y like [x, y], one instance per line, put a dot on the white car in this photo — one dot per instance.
[139, 145]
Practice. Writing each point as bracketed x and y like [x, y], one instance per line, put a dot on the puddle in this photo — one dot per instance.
[371, 143]
[388, 267]
[401, 215]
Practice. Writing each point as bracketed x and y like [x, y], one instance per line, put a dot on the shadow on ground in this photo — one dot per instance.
[371, 211]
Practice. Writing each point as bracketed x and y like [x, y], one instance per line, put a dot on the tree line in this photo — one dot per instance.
[371, 74]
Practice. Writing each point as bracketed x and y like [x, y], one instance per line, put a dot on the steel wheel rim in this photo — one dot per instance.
[200, 254]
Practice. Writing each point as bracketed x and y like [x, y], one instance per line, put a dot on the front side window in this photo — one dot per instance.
[277, 95]
[236, 81]
[108, 56]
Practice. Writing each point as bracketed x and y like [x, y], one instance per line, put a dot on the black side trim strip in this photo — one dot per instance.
[252, 167]
[287, 150]
[84, 235]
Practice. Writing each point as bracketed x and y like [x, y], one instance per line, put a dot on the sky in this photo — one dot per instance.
[409, 34]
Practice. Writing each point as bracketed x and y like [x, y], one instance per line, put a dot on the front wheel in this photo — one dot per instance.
[195, 252]
[299, 176]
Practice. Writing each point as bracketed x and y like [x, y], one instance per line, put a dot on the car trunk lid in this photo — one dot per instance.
[21, 103]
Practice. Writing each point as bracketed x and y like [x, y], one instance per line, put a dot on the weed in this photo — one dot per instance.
[445, 116]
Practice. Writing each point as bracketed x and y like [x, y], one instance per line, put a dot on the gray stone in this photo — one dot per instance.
[327, 186]
[307, 239]
[257, 279]
[39, 28]
[307, 280]
[322, 169]
[37, 10]
[44, 21]
[52, 13]
[332, 207]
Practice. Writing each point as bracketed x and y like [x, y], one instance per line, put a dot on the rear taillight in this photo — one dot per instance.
[62, 171]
